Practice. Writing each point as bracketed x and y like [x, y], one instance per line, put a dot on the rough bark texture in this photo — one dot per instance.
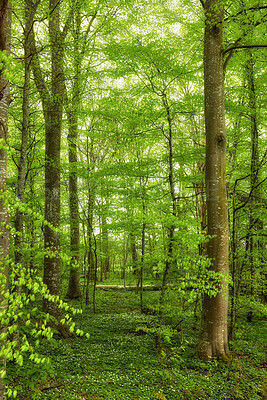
[74, 290]
[51, 98]
[214, 339]
[52, 162]
[5, 37]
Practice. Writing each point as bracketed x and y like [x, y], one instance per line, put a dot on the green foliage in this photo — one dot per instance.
[133, 72]
[27, 326]
[120, 362]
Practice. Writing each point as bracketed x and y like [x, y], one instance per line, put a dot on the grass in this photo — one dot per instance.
[119, 363]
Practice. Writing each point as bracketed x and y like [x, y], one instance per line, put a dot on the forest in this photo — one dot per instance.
[133, 199]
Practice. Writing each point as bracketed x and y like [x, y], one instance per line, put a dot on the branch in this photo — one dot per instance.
[37, 73]
[202, 3]
[67, 23]
[230, 55]
[250, 195]
[93, 17]
[255, 8]
[248, 46]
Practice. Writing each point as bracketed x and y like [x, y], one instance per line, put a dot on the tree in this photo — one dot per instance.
[52, 103]
[5, 100]
[72, 108]
[22, 164]
[214, 339]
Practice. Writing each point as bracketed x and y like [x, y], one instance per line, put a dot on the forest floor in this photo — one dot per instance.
[120, 362]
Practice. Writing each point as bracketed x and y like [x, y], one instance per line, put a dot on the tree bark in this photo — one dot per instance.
[171, 228]
[52, 163]
[5, 100]
[72, 108]
[52, 101]
[105, 259]
[91, 261]
[255, 222]
[22, 166]
[214, 339]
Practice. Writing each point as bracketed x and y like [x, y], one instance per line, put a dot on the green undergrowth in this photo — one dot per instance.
[120, 362]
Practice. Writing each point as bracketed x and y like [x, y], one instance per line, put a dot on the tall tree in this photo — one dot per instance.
[51, 94]
[214, 339]
[72, 105]
[22, 165]
[72, 108]
[5, 100]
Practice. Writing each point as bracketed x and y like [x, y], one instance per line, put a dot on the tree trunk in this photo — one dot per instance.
[74, 289]
[214, 339]
[171, 228]
[22, 166]
[52, 163]
[255, 223]
[72, 109]
[91, 272]
[5, 38]
[201, 207]
[105, 261]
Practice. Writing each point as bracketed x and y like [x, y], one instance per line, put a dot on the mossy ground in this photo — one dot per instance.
[118, 363]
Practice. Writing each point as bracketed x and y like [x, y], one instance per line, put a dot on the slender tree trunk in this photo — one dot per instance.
[233, 291]
[255, 224]
[91, 272]
[142, 244]
[5, 100]
[105, 261]
[214, 339]
[171, 228]
[134, 252]
[22, 166]
[72, 108]
[74, 289]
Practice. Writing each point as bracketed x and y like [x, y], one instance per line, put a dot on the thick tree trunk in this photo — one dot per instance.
[52, 163]
[214, 339]
[201, 207]
[5, 37]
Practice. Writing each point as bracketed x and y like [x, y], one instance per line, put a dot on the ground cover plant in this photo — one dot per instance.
[120, 360]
